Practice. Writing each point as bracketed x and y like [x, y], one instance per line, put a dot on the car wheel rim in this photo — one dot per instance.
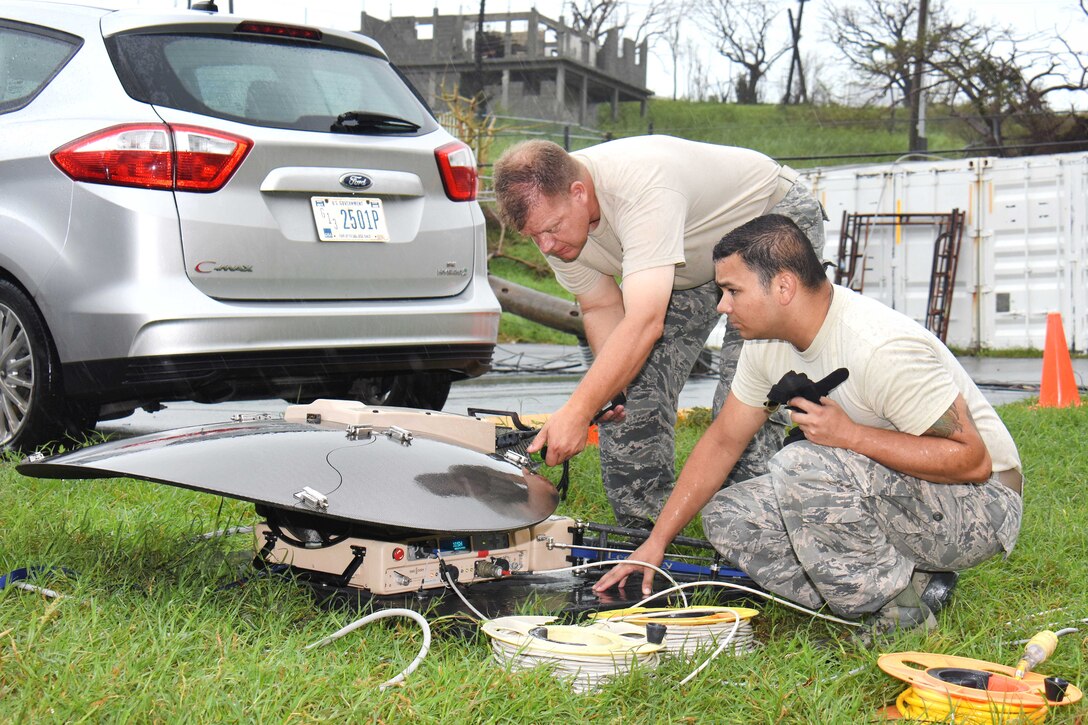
[16, 374]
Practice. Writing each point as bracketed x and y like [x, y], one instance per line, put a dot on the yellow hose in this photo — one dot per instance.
[933, 706]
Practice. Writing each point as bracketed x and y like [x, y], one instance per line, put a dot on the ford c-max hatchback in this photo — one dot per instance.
[198, 206]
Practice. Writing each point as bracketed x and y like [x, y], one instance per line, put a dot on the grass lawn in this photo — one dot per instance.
[147, 633]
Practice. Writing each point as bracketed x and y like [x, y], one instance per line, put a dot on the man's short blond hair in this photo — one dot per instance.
[528, 171]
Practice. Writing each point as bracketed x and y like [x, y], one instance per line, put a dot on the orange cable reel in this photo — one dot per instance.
[972, 692]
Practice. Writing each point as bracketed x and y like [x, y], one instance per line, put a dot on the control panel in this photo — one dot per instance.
[396, 567]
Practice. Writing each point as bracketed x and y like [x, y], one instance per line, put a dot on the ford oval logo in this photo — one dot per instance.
[355, 181]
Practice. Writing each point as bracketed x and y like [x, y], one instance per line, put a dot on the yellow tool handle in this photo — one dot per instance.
[1036, 650]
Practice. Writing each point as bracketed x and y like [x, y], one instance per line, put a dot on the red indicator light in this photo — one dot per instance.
[281, 31]
[398, 554]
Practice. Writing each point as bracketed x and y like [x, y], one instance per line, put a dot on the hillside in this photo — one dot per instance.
[791, 133]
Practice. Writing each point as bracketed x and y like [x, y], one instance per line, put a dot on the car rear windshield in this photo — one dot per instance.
[281, 84]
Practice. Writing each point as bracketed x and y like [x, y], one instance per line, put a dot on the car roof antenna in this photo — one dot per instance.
[205, 5]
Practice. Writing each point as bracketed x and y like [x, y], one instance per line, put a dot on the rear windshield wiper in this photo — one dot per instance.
[363, 122]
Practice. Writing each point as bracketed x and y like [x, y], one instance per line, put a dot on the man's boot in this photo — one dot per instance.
[906, 611]
[934, 587]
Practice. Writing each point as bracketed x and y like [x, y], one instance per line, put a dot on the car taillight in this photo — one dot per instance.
[154, 156]
[457, 165]
[207, 159]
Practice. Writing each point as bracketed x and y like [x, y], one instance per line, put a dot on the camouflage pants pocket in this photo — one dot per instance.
[943, 526]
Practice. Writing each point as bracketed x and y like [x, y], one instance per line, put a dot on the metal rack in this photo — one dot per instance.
[854, 240]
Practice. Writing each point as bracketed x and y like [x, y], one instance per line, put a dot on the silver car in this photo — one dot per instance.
[196, 206]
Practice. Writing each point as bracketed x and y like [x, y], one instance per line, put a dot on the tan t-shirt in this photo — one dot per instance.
[901, 376]
[666, 200]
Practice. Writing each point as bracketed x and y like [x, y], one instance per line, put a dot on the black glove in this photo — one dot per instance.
[798, 385]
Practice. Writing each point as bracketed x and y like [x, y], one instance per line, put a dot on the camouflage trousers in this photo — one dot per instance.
[827, 525]
[638, 455]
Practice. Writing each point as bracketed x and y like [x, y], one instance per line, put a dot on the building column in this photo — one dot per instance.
[583, 101]
[560, 90]
[615, 104]
[505, 96]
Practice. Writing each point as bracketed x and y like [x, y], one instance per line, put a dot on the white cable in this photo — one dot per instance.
[515, 648]
[584, 675]
[479, 615]
[579, 567]
[613, 562]
[765, 595]
[224, 532]
[714, 655]
[410, 614]
[38, 590]
[686, 639]
[1059, 633]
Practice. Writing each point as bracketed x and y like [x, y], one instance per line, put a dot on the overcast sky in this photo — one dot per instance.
[1048, 19]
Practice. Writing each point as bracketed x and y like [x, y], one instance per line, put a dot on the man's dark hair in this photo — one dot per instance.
[528, 171]
[771, 244]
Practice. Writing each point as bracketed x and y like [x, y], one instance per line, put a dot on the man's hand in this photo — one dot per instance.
[564, 433]
[617, 576]
[570, 447]
[824, 423]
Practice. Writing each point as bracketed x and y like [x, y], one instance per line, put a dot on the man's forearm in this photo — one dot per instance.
[616, 363]
[940, 460]
[951, 451]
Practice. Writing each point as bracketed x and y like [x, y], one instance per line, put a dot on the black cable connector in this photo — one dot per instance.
[655, 633]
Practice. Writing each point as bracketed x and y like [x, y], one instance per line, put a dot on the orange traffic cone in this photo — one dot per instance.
[1059, 388]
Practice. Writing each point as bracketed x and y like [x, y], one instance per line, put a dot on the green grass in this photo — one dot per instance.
[840, 133]
[793, 133]
[146, 633]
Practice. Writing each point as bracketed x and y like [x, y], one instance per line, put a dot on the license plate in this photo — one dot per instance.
[349, 219]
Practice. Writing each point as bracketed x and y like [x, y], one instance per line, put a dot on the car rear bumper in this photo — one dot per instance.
[268, 373]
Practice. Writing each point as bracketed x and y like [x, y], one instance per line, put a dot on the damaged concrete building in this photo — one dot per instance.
[528, 65]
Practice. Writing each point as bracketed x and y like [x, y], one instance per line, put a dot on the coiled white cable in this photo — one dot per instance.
[687, 638]
[607, 653]
[740, 641]
[410, 614]
[740, 587]
[583, 675]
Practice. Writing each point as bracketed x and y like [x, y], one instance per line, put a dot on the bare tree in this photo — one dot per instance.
[1001, 91]
[698, 76]
[672, 24]
[596, 18]
[877, 38]
[740, 29]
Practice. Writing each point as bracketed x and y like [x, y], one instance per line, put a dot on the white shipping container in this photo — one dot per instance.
[1023, 252]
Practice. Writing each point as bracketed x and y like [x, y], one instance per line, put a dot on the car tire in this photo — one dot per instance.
[414, 390]
[31, 407]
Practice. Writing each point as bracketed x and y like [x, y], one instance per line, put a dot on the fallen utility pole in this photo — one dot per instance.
[539, 307]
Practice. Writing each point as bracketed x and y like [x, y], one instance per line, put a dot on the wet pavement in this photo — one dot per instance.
[530, 379]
